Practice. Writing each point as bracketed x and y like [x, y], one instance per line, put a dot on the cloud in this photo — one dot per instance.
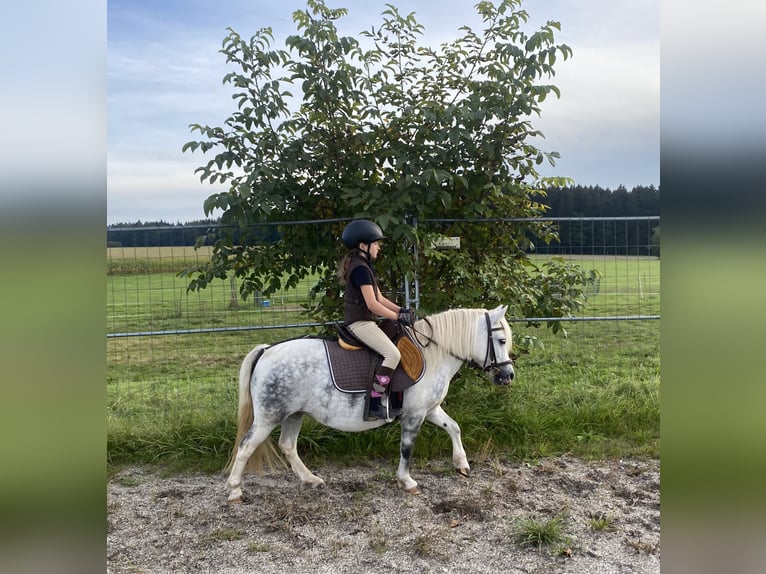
[616, 91]
[160, 189]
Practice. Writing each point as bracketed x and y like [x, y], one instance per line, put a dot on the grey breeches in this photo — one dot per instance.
[370, 334]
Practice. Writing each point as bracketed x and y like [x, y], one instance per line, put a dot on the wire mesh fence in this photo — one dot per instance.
[175, 354]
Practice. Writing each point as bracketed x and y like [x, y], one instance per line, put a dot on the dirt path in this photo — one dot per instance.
[608, 514]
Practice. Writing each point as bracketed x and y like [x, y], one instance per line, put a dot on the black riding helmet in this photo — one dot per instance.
[361, 231]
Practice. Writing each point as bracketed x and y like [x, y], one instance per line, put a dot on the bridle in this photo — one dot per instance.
[490, 357]
[493, 364]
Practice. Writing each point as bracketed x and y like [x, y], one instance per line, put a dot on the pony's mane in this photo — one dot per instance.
[454, 330]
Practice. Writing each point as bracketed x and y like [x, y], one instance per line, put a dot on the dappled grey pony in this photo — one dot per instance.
[279, 384]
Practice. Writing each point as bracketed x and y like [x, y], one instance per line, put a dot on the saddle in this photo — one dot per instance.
[353, 365]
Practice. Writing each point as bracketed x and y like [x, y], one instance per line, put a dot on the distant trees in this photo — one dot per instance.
[156, 233]
[572, 201]
[605, 237]
[595, 201]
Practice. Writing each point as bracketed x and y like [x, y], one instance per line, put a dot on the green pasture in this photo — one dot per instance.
[628, 285]
[158, 301]
[141, 260]
[171, 399]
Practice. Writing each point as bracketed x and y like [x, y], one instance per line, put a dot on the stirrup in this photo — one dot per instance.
[383, 412]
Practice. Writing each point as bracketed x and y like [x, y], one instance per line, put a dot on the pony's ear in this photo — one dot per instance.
[498, 313]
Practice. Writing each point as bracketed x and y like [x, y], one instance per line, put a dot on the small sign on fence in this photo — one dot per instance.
[447, 243]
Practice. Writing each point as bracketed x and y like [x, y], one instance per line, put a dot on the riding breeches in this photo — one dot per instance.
[371, 335]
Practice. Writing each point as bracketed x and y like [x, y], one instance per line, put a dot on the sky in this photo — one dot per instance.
[164, 72]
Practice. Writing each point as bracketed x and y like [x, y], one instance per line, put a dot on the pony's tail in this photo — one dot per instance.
[266, 454]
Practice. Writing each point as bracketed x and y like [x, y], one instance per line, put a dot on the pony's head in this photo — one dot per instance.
[498, 341]
[478, 337]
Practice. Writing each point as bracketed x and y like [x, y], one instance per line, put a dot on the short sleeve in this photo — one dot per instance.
[361, 276]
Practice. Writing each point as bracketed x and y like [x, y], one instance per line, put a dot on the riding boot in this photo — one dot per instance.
[376, 409]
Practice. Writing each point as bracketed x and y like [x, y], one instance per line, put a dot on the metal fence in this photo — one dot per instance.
[186, 346]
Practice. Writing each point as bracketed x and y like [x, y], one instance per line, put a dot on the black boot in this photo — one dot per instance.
[379, 411]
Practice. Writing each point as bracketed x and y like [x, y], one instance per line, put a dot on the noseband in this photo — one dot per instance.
[490, 358]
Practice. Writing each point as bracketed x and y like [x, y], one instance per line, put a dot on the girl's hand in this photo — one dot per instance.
[406, 317]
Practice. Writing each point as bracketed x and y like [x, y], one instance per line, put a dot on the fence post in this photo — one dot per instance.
[411, 301]
[234, 303]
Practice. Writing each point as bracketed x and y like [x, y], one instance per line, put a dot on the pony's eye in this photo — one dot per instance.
[502, 341]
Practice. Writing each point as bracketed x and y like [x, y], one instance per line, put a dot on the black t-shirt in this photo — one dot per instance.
[361, 276]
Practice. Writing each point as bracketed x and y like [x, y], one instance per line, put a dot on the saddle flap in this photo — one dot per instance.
[412, 362]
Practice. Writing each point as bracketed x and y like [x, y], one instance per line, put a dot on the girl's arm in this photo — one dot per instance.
[389, 304]
[382, 306]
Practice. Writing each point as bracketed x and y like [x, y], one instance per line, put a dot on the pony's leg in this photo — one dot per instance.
[410, 426]
[443, 420]
[255, 436]
[288, 441]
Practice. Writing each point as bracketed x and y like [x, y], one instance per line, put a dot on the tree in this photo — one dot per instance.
[384, 128]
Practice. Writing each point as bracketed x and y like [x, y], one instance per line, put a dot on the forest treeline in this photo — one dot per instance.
[587, 237]
[595, 201]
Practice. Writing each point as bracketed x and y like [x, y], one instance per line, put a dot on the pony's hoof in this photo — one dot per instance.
[234, 501]
[314, 483]
[235, 496]
[466, 472]
[414, 490]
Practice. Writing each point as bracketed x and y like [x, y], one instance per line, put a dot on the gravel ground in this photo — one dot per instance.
[608, 514]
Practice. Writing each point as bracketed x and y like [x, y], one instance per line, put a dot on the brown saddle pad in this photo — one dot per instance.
[353, 371]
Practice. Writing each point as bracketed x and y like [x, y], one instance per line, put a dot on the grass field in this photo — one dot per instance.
[140, 300]
[139, 260]
[172, 398]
